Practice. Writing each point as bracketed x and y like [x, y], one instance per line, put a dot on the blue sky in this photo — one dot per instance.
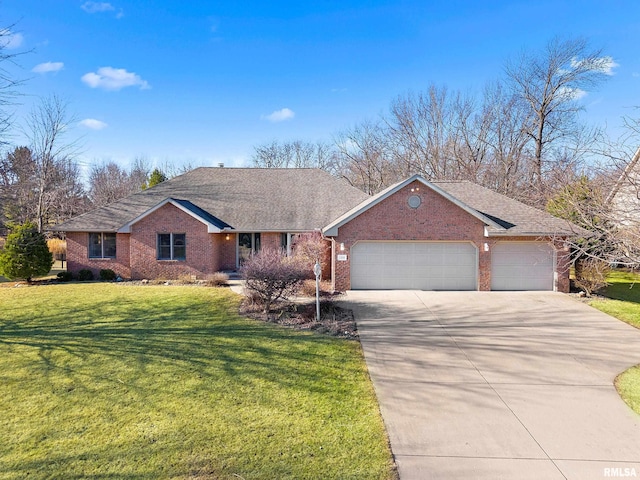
[202, 82]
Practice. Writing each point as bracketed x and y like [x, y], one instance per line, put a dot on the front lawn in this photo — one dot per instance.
[152, 382]
[623, 297]
[623, 302]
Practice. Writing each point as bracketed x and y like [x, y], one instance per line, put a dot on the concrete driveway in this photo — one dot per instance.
[488, 385]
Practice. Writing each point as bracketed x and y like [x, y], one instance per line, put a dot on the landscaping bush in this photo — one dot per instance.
[308, 288]
[591, 274]
[85, 275]
[187, 279]
[64, 276]
[270, 276]
[218, 279]
[106, 275]
[25, 253]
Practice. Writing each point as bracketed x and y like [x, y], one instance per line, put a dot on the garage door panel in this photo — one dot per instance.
[522, 266]
[414, 265]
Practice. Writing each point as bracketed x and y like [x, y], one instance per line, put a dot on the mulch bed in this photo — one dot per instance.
[334, 320]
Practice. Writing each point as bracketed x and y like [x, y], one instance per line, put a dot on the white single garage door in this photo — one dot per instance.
[414, 266]
[522, 266]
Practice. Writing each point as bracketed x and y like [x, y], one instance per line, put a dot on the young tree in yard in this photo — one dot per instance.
[272, 276]
[582, 203]
[25, 254]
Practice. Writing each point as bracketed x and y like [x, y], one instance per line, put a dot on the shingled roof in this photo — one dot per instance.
[515, 218]
[246, 199]
[501, 215]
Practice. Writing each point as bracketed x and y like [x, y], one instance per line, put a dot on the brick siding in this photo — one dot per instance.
[78, 255]
[436, 219]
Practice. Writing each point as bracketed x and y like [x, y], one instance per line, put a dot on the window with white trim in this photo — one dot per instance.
[102, 245]
[172, 246]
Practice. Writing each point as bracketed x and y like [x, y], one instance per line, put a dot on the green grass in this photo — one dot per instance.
[623, 302]
[119, 381]
[623, 297]
[628, 386]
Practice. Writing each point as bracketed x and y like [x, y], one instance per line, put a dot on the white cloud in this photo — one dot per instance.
[608, 64]
[10, 40]
[635, 74]
[93, 124]
[48, 67]
[111, 78]
[97, 7]
[601, 64]
[279, 115]
[572, 93]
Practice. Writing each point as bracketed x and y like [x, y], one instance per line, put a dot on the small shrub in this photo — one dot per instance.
[272, 276]
[308, 288]
[217, 279]
[85, 275]
[64, 276]
[187, 279]
[591, 274]
[107, 275]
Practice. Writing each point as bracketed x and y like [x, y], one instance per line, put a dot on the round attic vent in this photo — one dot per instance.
[414, 201]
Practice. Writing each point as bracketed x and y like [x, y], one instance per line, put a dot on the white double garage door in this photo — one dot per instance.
[450, 266]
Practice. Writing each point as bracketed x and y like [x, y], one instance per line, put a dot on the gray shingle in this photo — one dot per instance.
[516, 217]
[248, 199]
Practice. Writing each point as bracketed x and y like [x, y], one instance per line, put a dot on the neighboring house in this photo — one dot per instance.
[413, 235]
[624, 197]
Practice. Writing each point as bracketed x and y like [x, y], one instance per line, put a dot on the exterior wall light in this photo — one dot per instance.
[342, 247]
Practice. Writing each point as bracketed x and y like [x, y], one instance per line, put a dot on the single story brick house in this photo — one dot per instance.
[415, 234]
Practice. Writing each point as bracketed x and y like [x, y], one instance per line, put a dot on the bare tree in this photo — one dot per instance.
[108, 182]
[8, 83]
[21, 186]
[47, 128]
[422, 127]
[364, 158]
[294, 154]
[549, 84]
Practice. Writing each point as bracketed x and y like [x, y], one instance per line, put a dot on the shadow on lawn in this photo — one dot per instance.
[628, 291]
[202, 341]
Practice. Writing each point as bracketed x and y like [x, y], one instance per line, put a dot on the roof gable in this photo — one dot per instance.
[331, 230]
[214, 224]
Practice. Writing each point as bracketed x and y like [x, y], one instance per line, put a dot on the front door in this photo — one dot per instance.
[248, 244]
